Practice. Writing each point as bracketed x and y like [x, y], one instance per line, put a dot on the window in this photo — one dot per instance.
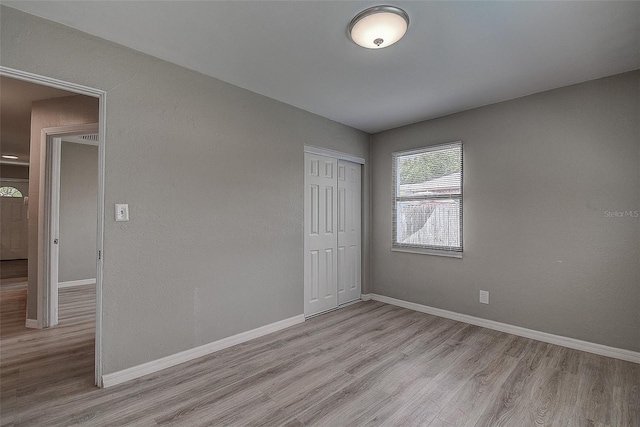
[10, 192]
[427, 199]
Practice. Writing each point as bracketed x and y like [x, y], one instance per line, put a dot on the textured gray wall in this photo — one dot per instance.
[213, 175]
[540, 174]
[13, 171]
[78, 211]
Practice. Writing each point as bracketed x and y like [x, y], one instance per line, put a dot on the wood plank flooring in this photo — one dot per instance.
[368, 364]
[15, 268]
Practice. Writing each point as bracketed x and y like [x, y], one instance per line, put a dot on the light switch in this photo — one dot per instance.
[122, 212]
[484, 297]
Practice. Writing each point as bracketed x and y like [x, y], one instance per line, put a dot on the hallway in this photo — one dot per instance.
[36, 364]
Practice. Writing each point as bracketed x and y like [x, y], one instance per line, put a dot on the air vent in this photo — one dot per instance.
[91, 137]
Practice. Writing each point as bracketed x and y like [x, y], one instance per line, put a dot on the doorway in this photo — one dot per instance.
[333, 231]
[14, 196]
[70, 211]
[40, 299]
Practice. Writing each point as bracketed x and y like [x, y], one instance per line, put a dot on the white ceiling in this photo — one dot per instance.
[16, 97]
[455, 56]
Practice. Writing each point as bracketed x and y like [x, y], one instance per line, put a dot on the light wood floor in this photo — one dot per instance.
[367, 364]
[15, 268]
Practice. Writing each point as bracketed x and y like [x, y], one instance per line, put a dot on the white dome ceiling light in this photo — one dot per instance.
[379, 26]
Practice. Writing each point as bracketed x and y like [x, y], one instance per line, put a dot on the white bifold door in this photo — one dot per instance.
[332, 240]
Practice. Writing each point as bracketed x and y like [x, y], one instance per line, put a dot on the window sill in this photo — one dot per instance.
[448, 254]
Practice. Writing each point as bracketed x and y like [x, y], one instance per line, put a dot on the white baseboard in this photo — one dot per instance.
[138, 371]
[602, 350]
[71, 283]
[365, 297]
[31, 323]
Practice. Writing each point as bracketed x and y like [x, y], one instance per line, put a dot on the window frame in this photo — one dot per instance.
[449, 251]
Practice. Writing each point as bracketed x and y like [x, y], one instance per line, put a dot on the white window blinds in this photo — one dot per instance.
[427, 198]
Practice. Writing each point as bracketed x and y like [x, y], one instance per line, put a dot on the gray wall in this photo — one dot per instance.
[213, 175]
[78, 211]
[64, 111]
[14, 171]
[540, 174]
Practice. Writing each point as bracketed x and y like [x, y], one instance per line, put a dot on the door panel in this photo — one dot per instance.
[320, 241]
[349, 231]
[13, 223]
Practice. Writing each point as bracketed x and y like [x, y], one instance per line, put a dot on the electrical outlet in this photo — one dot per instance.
[484, 297]
[122, 212]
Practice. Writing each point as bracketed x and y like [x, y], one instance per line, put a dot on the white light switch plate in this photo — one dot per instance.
[122, 212]
[484, 297]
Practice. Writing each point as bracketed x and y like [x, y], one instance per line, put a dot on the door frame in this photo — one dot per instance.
[338, 155]
[102, 127]
[52, 146]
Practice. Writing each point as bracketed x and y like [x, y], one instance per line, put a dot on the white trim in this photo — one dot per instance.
[425, 251]
[50, 82]
[70, 283]
[348, 303]
[329, 310]
[102, 132]
[52, 147]
[602, 350]
[432, 147]
[138, 371]
[102, 129]
[31, 323]
[332, 153]
[365, 297]
[49, 219]
[320, 313]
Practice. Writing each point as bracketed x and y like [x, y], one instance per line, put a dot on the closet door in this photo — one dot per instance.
[349, 231]
[321, 238]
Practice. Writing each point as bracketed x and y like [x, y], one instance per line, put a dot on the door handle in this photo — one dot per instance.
[55, 241]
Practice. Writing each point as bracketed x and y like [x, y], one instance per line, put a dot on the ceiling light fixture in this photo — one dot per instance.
[7, 156]
[379, 26]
